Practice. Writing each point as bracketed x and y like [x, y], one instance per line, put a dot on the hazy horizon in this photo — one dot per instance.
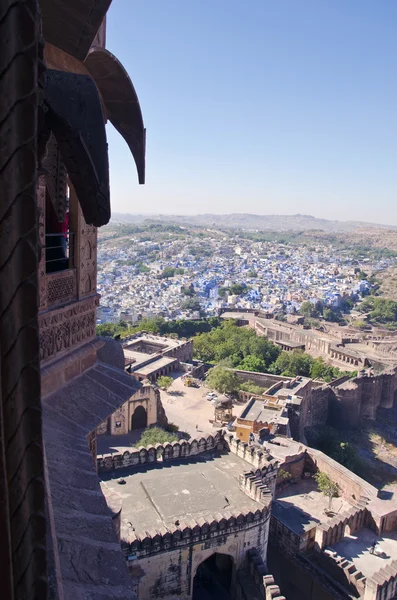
[261, 108]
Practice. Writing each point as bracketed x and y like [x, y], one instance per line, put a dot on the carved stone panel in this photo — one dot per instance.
[41, 190]
[87, 241]
[61, 287]
[67, 328]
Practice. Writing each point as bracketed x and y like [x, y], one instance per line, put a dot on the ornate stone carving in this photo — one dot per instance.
[88, 255]
[41, 190]
[61, 287]
[56, 178]
[67, 327]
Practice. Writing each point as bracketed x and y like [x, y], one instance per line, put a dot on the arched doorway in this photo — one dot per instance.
[213, 578]
[139, 418]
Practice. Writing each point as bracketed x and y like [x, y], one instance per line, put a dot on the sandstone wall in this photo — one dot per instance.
[257, 572]
[159, 453]
[120, 421]
[360, 398]
[169, 574]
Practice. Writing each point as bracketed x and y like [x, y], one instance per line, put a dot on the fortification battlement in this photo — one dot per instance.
[160, 452]
[260, 459]
[383, 583]
[200, 530]
[345, 523]
[348, 572]
[264, 582]
[252, 485]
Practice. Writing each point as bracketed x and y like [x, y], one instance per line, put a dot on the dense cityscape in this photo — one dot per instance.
[186, 273]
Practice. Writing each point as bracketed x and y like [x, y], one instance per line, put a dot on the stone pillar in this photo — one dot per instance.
[85, 248]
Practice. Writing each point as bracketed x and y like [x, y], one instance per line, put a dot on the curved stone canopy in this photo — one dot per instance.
[72, 24]
[121, 102]
[75, 117]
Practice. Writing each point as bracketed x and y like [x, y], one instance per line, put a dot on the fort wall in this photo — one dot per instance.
[159, 453]
[257, 572]
[352, 488]
[166, 564]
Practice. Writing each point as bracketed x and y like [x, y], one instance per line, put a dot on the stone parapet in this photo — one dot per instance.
[252, 484]
[334, 530]
[160, 453]
[264, 582]
[382, 585]
[193, 532]
[343, 571]
[261, 459]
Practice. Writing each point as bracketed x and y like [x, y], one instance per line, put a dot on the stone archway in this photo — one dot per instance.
[213, 578]
[139, 418]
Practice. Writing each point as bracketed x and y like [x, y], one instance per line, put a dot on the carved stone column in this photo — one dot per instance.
[85, 249]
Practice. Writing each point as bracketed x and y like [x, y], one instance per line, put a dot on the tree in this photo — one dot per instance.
[155, 435]
[191, 304]
[223, 380]
[308, 309]
[291, 364]
[164, 382]
[252, 274]
[252, 363]
[249, 386]
[327, 486]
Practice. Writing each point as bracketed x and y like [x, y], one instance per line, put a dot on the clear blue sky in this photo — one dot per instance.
[260, 106]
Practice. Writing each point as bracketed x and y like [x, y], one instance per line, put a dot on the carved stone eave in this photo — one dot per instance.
[121, 102]
[72, 25]
[74, 115]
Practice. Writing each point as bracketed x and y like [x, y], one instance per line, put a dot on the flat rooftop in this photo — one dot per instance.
[257, 411]
[301, 506]
[356, 548]
[157, 496]
[162, 361]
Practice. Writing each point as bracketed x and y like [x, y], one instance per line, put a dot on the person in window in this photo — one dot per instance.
[56, 240]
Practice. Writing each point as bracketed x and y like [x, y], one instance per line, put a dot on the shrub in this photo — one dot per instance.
[155, 435]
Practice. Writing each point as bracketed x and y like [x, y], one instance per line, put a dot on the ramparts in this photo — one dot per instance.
[193, 532]
[256, 571]
[160, 453]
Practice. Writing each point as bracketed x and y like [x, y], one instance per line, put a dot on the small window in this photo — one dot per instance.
[118, 424]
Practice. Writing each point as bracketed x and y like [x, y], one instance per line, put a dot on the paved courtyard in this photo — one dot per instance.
[301, 506]
[188, 407]
[357, 549]
[157, 494]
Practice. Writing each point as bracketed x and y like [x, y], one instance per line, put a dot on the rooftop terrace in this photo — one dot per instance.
[158, 495]
[356, 548]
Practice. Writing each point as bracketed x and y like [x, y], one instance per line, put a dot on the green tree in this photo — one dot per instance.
[252, 274]
[155, 435]
[223, 380]
[252, 363]
[327, 486]
[309, 309]
[291, 364]
[249, 386]
[167, 272]
[191, 304]
[164, 382]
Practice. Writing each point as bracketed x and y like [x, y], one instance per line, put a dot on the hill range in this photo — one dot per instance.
[252, 222]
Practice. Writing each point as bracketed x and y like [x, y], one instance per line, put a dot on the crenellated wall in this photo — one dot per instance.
[160, 453]
[334, 530]
[264, 583]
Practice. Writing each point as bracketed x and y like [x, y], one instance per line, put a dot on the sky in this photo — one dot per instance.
[260, 106]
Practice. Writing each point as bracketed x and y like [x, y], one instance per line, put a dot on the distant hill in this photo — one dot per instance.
[253, 222]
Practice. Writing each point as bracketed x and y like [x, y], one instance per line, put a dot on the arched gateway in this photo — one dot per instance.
[139, 418]
[213, 578]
